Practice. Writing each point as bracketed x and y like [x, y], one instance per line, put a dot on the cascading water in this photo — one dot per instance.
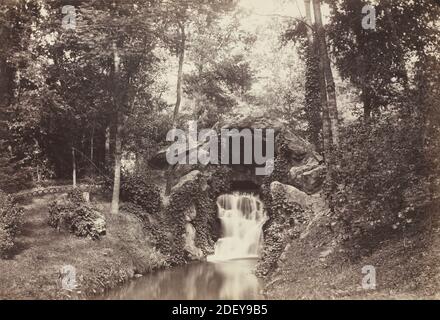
[242, 217]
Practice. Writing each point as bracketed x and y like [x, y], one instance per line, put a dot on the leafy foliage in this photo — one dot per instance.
[74, 215]
[382, 179]
[137, 189]
[404, 29]
[11, 220]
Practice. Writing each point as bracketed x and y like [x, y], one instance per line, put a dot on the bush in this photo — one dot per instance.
[380, 178]
[11, 220]
[74, 215]
[137, 190]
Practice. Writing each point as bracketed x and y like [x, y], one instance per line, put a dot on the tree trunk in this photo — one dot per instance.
[118, 146]
[309, 23]
[367, 101]
[181, 52]
[38, 174]
[73, 167]
[92, 145]
[312, 84]
[107, 148]
[330, 83]
[117, 178]
[326, 126]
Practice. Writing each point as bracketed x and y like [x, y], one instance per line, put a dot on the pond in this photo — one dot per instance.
[233, 279]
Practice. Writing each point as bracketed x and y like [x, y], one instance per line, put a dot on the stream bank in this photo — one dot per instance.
[123, 253]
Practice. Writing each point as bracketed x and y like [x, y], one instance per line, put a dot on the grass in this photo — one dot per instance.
[34, 270]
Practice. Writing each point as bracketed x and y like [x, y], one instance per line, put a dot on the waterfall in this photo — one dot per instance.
[242, 217]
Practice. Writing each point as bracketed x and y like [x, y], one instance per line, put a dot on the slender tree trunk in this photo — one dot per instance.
[92, 145]
[38, 174]
[367, 101]
[326, 125]
[312, 84]
[107, 148]
[73, 167]
[330, 83]
[118, 146]
[170, 171]
[309, 24]
[117, 178]
[179, 74]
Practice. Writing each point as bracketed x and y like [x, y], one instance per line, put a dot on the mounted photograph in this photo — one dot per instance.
[243, 151]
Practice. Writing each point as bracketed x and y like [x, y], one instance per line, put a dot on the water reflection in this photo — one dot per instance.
[223, 280]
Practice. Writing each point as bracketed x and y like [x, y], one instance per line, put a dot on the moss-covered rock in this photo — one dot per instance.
[73, 214]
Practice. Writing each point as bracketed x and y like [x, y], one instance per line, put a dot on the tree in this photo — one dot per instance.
[181, 15]
[328, 75]
[312, 85]
[181, 54]
[112, 45]
[376, 61]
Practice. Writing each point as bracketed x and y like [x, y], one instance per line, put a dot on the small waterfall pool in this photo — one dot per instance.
[232, 280]
[229, 272]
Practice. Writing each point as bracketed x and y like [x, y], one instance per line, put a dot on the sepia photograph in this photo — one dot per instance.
[243, 151]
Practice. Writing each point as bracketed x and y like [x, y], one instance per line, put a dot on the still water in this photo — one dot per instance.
[233, 279]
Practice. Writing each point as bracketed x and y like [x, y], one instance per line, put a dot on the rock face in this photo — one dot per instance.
[305, 166]
[292, 213]
[183, 204]
[308, 177]
[190, 247]
[191, 177]
[307, 169]
[302, 175]
[314, 203]
[297, 147]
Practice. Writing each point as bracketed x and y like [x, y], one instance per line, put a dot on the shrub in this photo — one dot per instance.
[11, 220]
[71, 213]
[6, 242]
[136, 189]
[380, 178]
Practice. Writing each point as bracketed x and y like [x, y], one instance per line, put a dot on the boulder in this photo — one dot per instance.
[315, 203]
[308, 164]
[312, 180]
[193, 176]
[308, 177]
[297, 148]
[99, 223]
